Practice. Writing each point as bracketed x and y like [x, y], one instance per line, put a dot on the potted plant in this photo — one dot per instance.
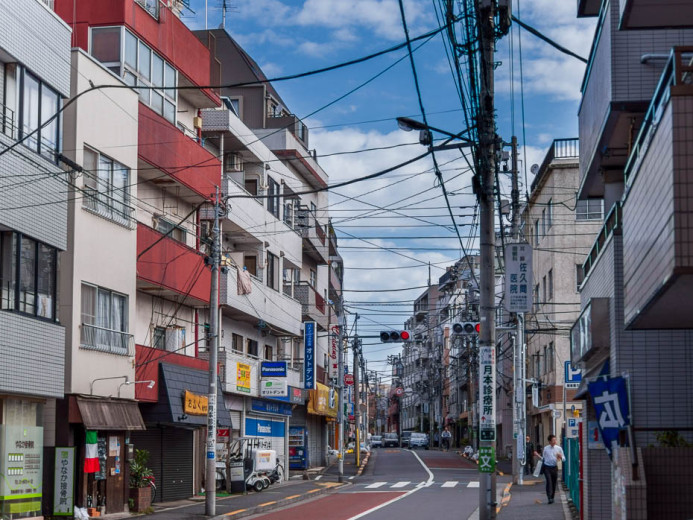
[141, 481]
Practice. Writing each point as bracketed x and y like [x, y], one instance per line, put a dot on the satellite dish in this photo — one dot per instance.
[534, 169]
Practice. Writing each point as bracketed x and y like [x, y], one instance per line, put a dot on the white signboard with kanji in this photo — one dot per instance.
[518, 278]
[487, 378]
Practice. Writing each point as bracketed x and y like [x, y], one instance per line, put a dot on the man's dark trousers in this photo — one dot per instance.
[551, 474]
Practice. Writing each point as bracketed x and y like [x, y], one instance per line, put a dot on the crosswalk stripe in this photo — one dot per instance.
[400, 484]
[376, 485]
[473, 484]
[450, 484]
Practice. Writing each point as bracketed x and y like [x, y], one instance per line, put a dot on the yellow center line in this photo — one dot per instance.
[268, 503]
[292, 496]
[313, 490]
[235, 512]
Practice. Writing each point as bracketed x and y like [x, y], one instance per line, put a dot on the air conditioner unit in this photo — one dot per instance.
[175, 339]
[233, 163]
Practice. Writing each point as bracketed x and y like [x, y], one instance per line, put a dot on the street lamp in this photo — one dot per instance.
[91, 384]
[150, 384]
[426, 137]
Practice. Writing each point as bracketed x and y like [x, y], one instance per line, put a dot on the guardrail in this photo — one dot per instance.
[612, 225]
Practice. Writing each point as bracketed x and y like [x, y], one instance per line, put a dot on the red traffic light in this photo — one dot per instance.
[478, 328]
[404, 335]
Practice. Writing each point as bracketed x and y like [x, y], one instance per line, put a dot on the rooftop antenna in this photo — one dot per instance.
[223, 15]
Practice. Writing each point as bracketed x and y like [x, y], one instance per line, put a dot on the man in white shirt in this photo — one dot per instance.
[552, 454]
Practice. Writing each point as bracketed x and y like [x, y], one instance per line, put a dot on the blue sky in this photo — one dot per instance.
[289, 36]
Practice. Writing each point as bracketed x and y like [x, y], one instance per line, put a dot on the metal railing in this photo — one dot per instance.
[109, 208]
[107, 340]
[612, 225]
[8, 122]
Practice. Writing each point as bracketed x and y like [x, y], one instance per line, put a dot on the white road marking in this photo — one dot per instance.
[450, 484]
[474, 483]
[376, 485]
[401, 484]
[318, 477]
[352, 477]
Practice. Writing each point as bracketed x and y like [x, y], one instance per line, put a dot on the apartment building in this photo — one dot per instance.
[34, 82]
[635, 328]
[560, 230]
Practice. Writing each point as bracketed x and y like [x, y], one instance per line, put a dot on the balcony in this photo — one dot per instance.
[612, 226]
[657, 234]
[617, 88]
[170, 267]
[107, 207]
[165, 33]
[264, 304]
[314, 237]
[313, 305]
[293, 124]
[106, 340]
[647, 14]
[181, 158]
[591, 333]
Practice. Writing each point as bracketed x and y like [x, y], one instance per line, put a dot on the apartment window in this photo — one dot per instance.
[313, 278]
[237, 342]
[589, 209]
[151, 6]
[579, 276]
[251, 345]
[130, 58]
[250, 263]
[536, 232]
[289, 212]
[251, 186]
[272, 271]
[543, 222]
[159, 338]
[268, 353]
[104, 319]
[273, 201]
[29, 104]
[167, 227]
[28, 271]
[551, 359]
[546, 360]
[543, 289]
[106, 187]
[549, 214]
[550, 279]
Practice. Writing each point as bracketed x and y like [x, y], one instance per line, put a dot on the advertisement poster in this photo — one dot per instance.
[243, 378]
[21, 463]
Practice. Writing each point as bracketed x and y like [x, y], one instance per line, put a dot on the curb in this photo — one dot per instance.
[283, 502]
[363, 464]
[505, 498]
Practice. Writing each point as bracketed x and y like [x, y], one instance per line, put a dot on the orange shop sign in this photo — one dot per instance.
[195, 404]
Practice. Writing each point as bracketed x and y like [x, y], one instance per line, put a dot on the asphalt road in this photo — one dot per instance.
[398, 484]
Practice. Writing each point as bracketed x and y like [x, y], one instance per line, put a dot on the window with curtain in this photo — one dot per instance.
[237, 342]
[33, 290]
[104, 319]
[39, 103]
[272, 271]
[107, 191]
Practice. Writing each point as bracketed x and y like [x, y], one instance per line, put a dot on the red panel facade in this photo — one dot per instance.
[167, 35]
[147, 361]
[164, 146]
[172, 265]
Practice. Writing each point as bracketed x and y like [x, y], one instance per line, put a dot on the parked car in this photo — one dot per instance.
[418, 440]
[405, 439]
[376, 441]
[390, 440]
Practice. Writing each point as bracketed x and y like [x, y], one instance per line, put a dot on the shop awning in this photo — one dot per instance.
[110, 414]
[323, 401]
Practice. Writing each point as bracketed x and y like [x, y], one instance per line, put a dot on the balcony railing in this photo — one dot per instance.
[678, 71]
[109, 208]
[612, 225]
[107, 340]
[568, 148]
[8, 121]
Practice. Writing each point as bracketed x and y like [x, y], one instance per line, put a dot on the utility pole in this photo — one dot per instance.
[357, 399]
[211, 467]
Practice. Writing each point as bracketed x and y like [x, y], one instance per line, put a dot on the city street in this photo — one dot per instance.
[398, 484]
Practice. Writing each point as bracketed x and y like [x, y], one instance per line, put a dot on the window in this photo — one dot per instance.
[543, 222]
[273, 201]
[550, 285]
[173, 230]
[537, 365]
[551, 360]
[268, 353]
[589, 209]
[28, 271]
[549, 214]
[313, 278]
[132, 59]
[159, 338]
[579, 276]
[250, 263]
[546, 360]
[536, 232]
[272, 271]
[237, 342]
[105, 320]
[543, 289]
[251, 186]
[536, 296]
[106, 185]
[252, 347]
[151, 6]
[289, 213]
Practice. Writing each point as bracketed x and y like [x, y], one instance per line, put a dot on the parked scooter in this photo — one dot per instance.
[469, 453]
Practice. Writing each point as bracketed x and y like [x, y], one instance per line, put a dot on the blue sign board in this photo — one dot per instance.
[270, 407]
[273, 369]
[572, 375]
[263, 428]
[309, 358]
[610, 399]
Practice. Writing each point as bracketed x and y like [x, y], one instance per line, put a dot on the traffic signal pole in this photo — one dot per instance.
[487, 334]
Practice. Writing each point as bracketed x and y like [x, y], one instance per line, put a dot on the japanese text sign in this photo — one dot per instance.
[610, 399]
[487, 387]
[195, 404]
[309, 343]
[518, 278]
[63, 491]
[243, 378]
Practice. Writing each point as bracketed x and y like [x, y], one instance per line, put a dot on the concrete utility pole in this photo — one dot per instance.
[357, 400]
[211, 464]
[340, 412]
[485, 194]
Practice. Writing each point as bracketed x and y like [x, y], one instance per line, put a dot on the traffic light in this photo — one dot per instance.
[466, 327]
[395, 336]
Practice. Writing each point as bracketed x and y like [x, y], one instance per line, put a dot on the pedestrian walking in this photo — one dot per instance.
[436, 439]
[446, 436]
[529, 456]
[551, 455]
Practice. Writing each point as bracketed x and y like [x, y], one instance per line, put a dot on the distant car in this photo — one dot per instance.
[376, 441]
[390, 440]
[418, 440]
[405, 439]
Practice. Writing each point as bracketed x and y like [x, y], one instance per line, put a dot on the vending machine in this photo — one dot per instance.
[298, 447]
